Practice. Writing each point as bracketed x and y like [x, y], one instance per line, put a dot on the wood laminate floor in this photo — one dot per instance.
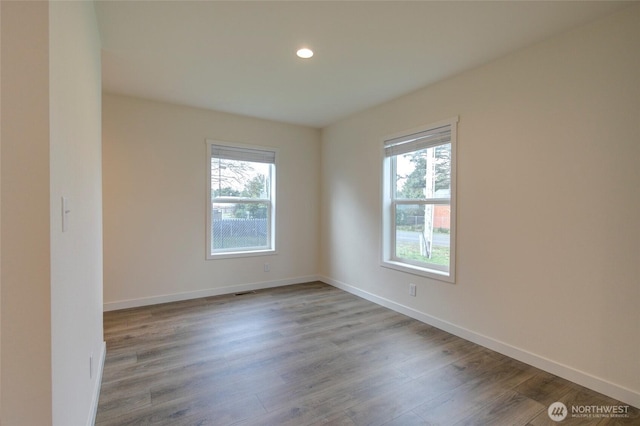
[312, 354]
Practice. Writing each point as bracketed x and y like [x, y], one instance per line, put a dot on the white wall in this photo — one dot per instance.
[154, 162]
[75, 173]
[25, 263]
[548, 206]
[51, 282]
[0, 219]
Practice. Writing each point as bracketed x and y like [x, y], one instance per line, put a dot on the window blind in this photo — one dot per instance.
[243, 154]
[417, 141]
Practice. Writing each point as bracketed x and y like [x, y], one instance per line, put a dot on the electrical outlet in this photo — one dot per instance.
[267, 268]
[412, 290]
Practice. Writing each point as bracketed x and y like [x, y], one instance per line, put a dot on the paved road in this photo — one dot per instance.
[414, 237]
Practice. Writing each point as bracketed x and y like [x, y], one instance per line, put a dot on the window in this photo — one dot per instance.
[419, 201]
[241, 200]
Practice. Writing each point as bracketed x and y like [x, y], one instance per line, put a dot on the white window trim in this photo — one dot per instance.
[273, 216]
[388, 236]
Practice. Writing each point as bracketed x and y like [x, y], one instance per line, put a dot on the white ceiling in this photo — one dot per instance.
[239, 56]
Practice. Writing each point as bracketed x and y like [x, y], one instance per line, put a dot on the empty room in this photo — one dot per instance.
[332, 212]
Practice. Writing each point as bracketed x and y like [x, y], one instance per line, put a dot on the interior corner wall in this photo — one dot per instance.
[0, 216]
[25, 261]
[548, 237]
[154, 164]
[77, 346]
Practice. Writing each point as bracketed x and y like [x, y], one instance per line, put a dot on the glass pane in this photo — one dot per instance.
[424, 174]
[423, 233]
[234, 178]
[239, 226]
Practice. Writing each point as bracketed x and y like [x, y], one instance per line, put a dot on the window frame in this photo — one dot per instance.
[390, 202]
[271, 201]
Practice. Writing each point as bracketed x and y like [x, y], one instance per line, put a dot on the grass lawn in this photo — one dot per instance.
[439, 255]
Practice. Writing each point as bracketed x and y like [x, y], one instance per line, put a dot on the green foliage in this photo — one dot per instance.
[413, 187]
[443, 167]
[415, 182]
[255, 188]
[227, 176]
[226, 192]
[250, 211]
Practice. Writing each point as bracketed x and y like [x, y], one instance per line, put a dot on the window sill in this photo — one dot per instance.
[421, 271]
[234, 254]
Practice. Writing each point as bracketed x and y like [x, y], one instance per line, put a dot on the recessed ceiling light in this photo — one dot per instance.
[304, 53]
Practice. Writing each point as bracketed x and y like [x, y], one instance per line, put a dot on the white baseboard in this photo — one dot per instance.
[217, 291]
[587, 380]
[98, 383]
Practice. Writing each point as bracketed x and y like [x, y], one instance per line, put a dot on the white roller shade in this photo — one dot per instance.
[417, 141]
[243, 154]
